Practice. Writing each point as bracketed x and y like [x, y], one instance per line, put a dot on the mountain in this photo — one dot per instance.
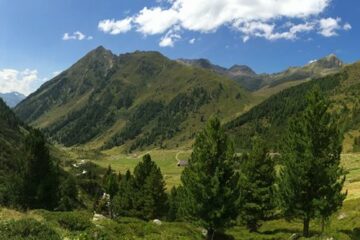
[12, 98]
[252, 81]
[270, 117]
[134, 99]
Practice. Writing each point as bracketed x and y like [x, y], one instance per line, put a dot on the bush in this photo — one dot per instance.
[74, 221]
[29, 229]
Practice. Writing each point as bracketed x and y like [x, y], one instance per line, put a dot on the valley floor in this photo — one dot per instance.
[81, 224]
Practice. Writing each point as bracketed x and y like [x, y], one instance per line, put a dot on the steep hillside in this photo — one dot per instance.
[270, 117]
[12, 98]
[265, 85]
[11, 146]
[137, 99]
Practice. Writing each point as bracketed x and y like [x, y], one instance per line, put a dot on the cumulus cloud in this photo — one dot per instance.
[156, 20]
[267, 31]
[169, 39]
[20, 81]
[329, 26]
[192, 41]
[249, 18]
[114, 27]
[347, 27]
[76, 36]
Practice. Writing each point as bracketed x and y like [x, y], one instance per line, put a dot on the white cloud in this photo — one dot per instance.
[76, 36]
[192, 41]
[347, 27]
[155, 20]
[267, 31]
[20, 81]
[114, 27]
[169, 39]
[329, 26]
[251, 18]
[312, 61]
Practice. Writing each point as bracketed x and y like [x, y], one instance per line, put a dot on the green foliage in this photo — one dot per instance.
[110, 182]
[74, 221]
[311, 179]
[139, 119]
[142, 195]
[27, 229]
[68, 194]
[210, 183]
[39, 175]
[257, 186]
[174, 202]
[269, 118]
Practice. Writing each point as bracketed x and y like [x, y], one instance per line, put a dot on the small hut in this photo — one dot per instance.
[182, 163]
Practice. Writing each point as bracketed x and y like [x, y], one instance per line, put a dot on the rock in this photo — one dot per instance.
[341, 216]
[157, 222]
[98, 217]
[294, 236]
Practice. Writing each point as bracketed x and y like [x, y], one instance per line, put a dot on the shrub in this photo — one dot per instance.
[74, 221]
[29, 229]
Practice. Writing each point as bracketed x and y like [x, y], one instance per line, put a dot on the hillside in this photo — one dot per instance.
[267, 84]
[11, 147]
[12, 98]
[135, 99]
[269, 118]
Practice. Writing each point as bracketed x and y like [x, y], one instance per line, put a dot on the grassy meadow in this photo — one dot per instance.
[167, 161]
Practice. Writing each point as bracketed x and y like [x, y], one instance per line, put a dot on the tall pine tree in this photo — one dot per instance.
[40, 182]
[311, 179]
[257, 190]
[210, 184]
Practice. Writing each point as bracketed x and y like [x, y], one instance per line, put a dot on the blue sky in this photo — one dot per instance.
[39, 38]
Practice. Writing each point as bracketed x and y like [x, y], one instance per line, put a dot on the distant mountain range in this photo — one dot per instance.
[143, 99]
[12, 98]
[252, 81]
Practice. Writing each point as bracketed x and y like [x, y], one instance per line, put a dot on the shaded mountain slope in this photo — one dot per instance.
[269, 118]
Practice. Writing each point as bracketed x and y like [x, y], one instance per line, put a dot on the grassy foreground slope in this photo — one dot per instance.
[43, 225]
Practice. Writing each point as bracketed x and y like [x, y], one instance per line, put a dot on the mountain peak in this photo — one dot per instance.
[241, 70]
[330, 61]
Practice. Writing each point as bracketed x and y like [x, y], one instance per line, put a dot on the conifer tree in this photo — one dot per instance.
[311, 179]
[257, 190]
[39, 174]
[142, 195]
[173, 204]
[68, 194]
[151, 199]
[210, 183]
[123, 202]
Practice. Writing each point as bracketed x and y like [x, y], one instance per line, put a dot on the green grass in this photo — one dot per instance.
[166, 160]
[344, 225]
